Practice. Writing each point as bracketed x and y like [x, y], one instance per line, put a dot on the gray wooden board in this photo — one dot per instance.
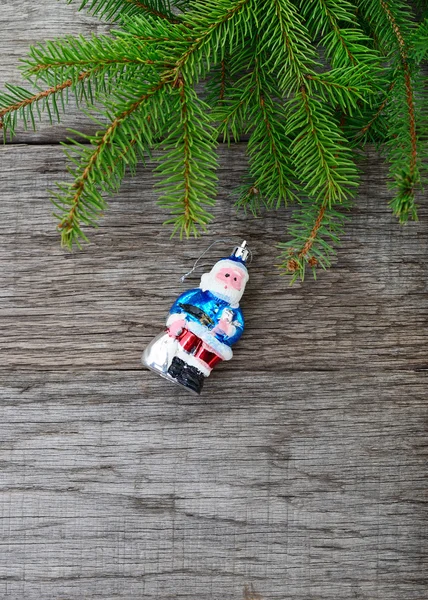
[368, 312]
[301, 468]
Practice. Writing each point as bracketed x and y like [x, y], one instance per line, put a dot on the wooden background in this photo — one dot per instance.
[299, 473]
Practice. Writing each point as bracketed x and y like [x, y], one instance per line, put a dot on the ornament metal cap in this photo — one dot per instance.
[241, 252]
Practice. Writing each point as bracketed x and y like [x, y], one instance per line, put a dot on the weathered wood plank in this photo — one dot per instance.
[300, 470]
[308, 486]
[369, 311]
[302, 467]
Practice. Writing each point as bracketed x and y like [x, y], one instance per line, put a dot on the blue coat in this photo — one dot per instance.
[213, 307]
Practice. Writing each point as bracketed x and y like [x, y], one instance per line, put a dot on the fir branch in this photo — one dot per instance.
[403, 205]
[409, 89]
[314, 233]
[71, 54]
[403, 150]
[346, 87]
[21, 101]
[154, 12]
[189, 163]
[396, 29]
[214, 32]
[317, 146]
[268, 146]
[264, 79]
[223, 75]
[345, 45]
[363, 131]
[82, 198]
[419, 42]
[121, 157]
[317, 138]
[319, 153]
[232, 116]
[232, 112]
[186, 200]
[285, 41]
[328, 179]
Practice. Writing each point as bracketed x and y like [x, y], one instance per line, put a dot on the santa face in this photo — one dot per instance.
[226, 280]
[231, 278]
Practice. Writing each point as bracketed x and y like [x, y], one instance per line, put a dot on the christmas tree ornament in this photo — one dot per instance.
[203, 324]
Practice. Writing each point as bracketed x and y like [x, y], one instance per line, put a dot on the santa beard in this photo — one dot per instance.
[212, 284]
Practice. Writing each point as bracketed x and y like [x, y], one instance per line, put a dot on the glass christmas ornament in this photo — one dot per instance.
[202, 325]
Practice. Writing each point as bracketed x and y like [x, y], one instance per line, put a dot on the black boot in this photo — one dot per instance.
[192, 378]
[176, 367]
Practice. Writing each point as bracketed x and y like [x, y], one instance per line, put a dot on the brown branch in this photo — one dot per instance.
[186, 149]
[314, 231]
[412, 121]
[113, 61]
[408, 84]
[40, 95]
[396, 29]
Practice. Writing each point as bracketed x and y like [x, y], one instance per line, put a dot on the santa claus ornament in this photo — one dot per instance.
[203, 324]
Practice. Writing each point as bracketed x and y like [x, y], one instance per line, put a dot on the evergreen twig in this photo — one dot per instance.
[261, 62]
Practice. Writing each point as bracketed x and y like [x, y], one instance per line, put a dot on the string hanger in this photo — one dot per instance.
[224, 240]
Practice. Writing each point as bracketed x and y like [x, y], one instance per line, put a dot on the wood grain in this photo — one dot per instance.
[300, 473]
[369, 311]
[302, 467]
[115, 485]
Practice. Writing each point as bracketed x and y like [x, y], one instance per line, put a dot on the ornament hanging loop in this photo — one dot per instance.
[240, 250]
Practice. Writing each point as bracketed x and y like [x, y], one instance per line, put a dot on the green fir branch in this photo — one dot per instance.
[20, 103]
[307, 83]
[334, 21]
[419, 42]
[319, 151]
[315, 232]
[65, 58]
[83, 201]
[285, 41]
[393, 25]
[97, 169]
[189, 162]
[217, 27]
[268, 146]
